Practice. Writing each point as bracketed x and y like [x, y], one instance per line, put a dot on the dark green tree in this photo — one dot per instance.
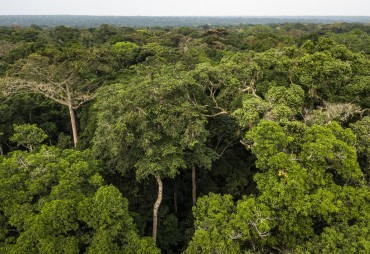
[55, 201]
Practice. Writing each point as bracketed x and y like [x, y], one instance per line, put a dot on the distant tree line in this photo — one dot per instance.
[52, 21]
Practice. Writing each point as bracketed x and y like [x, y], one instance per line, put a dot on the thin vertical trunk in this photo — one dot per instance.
[194, 184]
[72, 114]
[1, 149]
[156, 206]
[73, 123]
[175, 196]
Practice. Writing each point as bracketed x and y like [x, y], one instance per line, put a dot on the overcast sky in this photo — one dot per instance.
[186, 7]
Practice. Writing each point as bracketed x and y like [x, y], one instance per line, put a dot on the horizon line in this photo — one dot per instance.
[230, 16]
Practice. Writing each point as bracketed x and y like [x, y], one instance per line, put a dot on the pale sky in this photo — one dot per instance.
[186, 7]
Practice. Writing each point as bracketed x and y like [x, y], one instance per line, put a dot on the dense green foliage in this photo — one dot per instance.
[55, 201]
[244, 139]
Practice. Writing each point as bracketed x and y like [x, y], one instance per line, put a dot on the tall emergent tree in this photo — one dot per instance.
[67, 76]
[149, 125]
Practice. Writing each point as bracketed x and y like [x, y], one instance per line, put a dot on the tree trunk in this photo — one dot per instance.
[175, 196]
[194, 184]
[72, 114]
[73, 123]
[1, 149]
[156, 206]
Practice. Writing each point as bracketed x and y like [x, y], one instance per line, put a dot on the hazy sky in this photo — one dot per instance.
[187, 7]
